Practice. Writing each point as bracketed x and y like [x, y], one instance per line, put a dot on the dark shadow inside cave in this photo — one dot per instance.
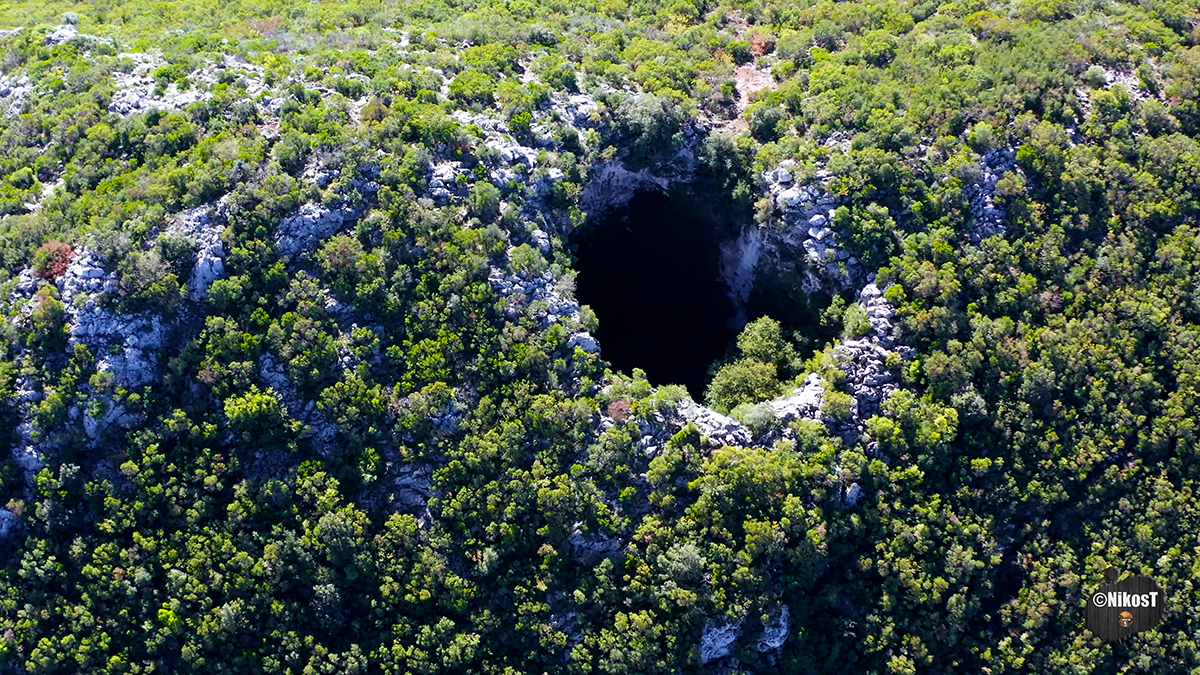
[651, 273]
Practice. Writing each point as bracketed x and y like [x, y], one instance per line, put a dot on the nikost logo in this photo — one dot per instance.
[1117, 610]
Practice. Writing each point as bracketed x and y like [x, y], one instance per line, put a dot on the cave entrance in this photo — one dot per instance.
[651, 271]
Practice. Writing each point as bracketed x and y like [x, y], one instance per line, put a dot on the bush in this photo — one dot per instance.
[739, 51]
[765, 121]
[51, 259]
[22, 178]
[255, 413]
[651, 127]
[743, 381]
[854, 322]
[485, 200]
[473, 86]
[527, 260]
[759, 418]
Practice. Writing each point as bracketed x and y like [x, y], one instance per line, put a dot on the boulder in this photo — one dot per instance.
[62, 34]
[714, 425]
[775, 631]
[717, 640]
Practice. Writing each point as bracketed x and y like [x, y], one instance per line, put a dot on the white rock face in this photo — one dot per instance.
[442, 181]
[125, 345]
[136, 89]
[579, 109]
[28, 458]
[1128, 80]
[203, 225]
[804, 223]
[853, 494]
[312, 224]
[714, 425]
[803, 403]
[413, 487]
[775, 631]
[716, 641]
[739, 260]
[14, 90]
[320, 429]
[988, 219]
[553, 307]
[864, 359]
[62, 34]
[590, 546]
[584, 341]
[611, 185]
[9, 523]
[115, 414]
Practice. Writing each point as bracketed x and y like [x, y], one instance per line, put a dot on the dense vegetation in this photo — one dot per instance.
[1046, 427]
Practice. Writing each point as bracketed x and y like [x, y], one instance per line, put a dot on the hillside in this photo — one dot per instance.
[596, 337]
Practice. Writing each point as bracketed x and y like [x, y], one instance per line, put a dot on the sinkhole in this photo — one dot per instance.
[659, 273]
[651, 272]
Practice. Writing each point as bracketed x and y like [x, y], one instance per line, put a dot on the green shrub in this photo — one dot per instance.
[473, 86]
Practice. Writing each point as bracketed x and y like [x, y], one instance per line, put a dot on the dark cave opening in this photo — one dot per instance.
[651, 271]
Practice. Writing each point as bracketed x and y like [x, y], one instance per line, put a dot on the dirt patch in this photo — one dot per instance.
[751, 80]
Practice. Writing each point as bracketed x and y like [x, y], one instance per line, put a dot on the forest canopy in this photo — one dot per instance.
[294, 380]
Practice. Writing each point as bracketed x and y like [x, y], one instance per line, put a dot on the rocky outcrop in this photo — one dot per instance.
[304, 231]
[803, 222]
[443, 182]
[318, 429]
[413, 487]
[14, 89]
[61, 35]
[1129, 80]
[540, 295]
[137, 92]
[714, 425]
[126, 345]
[987, 219]
[775, 631]
[10, 523]
[587, 546]
[864, 360]
[204, 226]
[611, 185]
[803, 403]
[717, 640]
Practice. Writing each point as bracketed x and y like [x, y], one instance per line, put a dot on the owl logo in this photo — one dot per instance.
[1125, 619]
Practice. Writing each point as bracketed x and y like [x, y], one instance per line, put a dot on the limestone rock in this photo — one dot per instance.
[136, 90]
[442, 184]
[10, 523]
[28, 458]
[585, 342]
[592, 546]
[853, 494]
[203, 225]
[714, 425]
[775, 631]
[312, 224]
[320, 429]
[987, 218]
[62, 34]
[802, 228]
[15, 90]
[803, 403]
[717, 640]
[126, 345]
[413, 487]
